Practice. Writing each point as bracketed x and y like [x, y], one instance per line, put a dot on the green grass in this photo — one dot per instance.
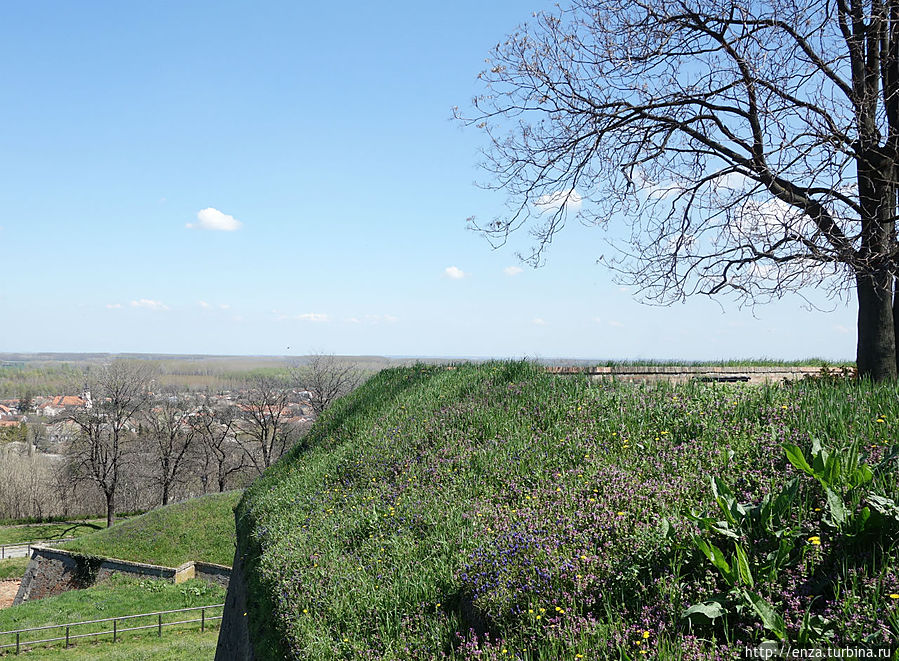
[15, 534]
[12, 568]
[114, 597]
[439, 513]
[201, 529]
[187, 643]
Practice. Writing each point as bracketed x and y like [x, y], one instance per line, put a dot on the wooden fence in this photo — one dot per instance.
[69, 632]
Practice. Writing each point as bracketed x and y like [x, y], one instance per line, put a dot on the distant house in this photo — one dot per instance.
[6, 411]
[64, 404]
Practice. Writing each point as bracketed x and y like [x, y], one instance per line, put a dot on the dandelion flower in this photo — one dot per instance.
[620, 513]
[894, 596]
[646, 634]
[815, 540]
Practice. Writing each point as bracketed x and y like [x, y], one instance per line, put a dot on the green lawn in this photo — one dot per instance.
[201, 529]
[114, 597]
[47, 531]
[173, 646]
[12, 568]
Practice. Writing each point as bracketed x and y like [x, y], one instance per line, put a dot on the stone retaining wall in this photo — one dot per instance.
[54, 571]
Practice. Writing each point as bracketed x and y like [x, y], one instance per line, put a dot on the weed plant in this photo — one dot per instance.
[497, 512]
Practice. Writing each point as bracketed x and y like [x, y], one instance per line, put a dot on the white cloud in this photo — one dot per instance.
[454, 272]
[353, 320]
[204, 305]
[839, 328]
[114, 306]
[147, 304]
[512, 270]
[616, 324]
[213, 219]
[317, 317]
[224, 306]
[537, 321]
[312, 316]
[554, 201]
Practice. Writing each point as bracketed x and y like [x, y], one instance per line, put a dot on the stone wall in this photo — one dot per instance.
[54, 571]
[234, 642]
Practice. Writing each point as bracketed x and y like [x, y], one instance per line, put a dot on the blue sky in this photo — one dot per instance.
[277, 178]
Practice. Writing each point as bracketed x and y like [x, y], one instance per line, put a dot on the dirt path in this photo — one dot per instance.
[8, 591]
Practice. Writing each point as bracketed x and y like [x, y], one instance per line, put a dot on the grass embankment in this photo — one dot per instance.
[200, 529]
[114, 597]
[497, 512]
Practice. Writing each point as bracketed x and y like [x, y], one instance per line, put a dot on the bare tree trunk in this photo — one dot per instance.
[110, 508]
[896, 318]
[876, 356]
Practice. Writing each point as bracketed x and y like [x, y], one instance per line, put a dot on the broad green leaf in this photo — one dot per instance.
[832, 469]
[771, 619]
[743, 566]
[711, 609]
[884, 506]
[838, 512]
[665, 528]
[861, 475]
[785, 499]
[795, 457]
[714, 554]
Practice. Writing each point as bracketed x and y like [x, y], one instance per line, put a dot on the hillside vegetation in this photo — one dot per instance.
[495, 512]
[200, 529]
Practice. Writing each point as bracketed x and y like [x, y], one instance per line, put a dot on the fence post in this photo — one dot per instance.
[160, 625]
[17, 643]
[114, 630]
[202, 620]
[67, 637]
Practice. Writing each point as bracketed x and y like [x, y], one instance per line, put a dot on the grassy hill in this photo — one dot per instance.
[495, 512]
[197, 529]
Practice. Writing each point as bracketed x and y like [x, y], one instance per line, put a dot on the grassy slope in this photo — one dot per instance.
[47, 531]
[12, 568]
[197, 529]
[117, 596]
[506, 500]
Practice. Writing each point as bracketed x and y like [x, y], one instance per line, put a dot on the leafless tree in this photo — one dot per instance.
[215, 429]
[730, 146]
[326, 378]
[168, 438]
[263, 430]
[106, 430]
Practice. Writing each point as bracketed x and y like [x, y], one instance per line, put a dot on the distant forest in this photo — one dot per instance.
[57, 374]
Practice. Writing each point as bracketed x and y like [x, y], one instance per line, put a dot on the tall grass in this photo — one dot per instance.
[495, 511]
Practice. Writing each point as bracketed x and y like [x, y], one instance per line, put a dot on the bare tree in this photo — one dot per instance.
[262, 426]
[169, 437]
[326, 378]
[106, 430]
[747, 147]
[215, 429]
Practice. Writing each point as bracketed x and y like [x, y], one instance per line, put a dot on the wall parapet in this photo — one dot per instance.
[52, 571]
